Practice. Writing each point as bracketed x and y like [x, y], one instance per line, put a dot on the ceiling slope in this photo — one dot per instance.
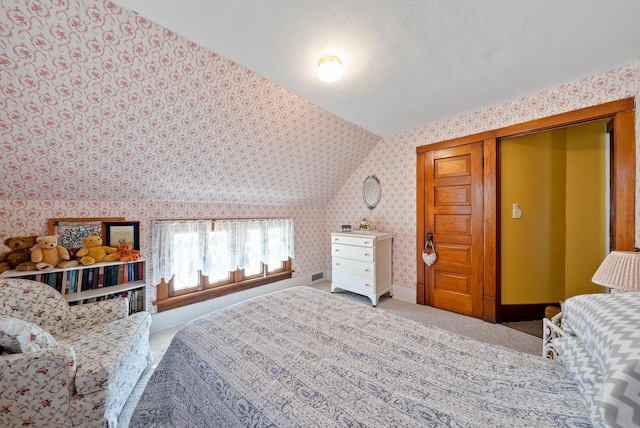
[100, 104]
[410, 63]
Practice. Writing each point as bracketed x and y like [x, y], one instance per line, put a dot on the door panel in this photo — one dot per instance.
[446, 223]
[454, 253]
[454, 214]
[452, 195]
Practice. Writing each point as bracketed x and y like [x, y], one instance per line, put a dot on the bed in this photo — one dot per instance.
[304, 357]
[597, 338]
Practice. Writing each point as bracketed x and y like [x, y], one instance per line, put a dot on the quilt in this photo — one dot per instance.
[304, 357]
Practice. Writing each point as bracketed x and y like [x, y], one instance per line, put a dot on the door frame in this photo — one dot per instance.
[623, 159]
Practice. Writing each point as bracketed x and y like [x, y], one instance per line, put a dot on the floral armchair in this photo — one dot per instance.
[66, 365]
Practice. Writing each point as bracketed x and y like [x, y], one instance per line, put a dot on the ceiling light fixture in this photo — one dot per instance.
[329, 68]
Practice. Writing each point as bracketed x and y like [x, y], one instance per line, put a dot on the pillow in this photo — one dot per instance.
[18, 336]
[609, 327]
[607, 324]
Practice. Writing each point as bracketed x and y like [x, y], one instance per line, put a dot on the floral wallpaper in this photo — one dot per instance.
[29, 217]
[393, 160]
[100, 104]
[105, 114]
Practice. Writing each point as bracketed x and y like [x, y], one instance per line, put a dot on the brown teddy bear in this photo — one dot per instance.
[20, 253]
[48, 254]
[125, 253]
[94, 251]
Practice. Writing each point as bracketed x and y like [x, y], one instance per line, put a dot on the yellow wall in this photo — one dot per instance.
[585, 210]
[558, 179]
[532, 247]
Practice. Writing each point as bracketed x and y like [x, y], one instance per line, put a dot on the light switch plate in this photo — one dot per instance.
[517, 212]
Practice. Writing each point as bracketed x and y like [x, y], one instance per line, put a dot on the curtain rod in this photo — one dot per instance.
[213, 220]
[224, 218]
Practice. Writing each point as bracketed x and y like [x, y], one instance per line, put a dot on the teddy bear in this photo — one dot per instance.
[125, 253]
[20, 253]
[94, 251]
[47, 254]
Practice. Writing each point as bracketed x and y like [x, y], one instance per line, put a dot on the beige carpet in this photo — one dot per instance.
[491, 333]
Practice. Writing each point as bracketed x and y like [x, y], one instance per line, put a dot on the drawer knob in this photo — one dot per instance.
[367, 270]
[366, 254]
[337, 264]
[366, 242]
[367, 285]
[337, 250]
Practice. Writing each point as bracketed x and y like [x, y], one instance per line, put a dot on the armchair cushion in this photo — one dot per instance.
[30, 301]
[17, 336]
[90, 314]
[97, 347]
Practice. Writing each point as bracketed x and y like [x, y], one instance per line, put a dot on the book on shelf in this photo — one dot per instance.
[96, 278]
[71, 282]
[79, 277]
[58, 283]
[121, 276]
[68, 283]
[100, 277]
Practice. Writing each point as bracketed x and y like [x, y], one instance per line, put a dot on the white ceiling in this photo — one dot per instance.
[410, 63]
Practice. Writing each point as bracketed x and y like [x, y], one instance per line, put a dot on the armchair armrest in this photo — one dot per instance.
[36, 388]
[96, 313]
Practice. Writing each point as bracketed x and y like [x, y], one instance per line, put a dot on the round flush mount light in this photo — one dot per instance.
[329, 68]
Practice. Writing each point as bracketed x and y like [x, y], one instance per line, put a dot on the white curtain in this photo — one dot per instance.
[246, 243]
[180, 248]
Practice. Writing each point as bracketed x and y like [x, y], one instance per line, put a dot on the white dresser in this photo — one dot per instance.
[361, 263]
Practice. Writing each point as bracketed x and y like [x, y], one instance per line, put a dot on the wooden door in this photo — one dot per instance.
[453, 180]
[486, 247]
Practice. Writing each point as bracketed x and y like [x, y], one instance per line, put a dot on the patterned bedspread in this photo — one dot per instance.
[305, 358]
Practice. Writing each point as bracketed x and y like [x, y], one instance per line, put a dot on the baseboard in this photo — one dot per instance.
[174, 317]
[523, 312]
[405, 294]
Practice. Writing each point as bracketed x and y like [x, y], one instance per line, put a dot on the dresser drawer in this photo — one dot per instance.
[363, 254]
[361, 241]
[354, 266]
[352, 282]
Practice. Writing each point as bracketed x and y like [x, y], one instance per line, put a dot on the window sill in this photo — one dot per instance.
[211, 293]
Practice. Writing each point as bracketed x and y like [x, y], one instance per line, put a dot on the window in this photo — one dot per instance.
[198, 260]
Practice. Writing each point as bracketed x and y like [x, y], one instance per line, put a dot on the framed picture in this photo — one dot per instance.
[70, 231]
[115, 233]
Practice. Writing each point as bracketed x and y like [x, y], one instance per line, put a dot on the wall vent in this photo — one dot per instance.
[317, 276]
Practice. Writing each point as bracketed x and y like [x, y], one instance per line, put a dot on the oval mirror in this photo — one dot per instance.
[371, 191]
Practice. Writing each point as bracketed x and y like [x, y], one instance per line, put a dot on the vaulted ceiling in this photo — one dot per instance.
[410, 63]
[218, 101]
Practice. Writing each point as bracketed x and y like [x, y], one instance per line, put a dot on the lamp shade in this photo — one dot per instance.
[330, 69]
[619, 270]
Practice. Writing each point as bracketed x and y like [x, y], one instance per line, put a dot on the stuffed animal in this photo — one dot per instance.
[20, 253]
[94, 251]
[125, 253]
[47, 254]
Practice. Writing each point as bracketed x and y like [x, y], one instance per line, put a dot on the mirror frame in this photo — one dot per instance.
[372, 179]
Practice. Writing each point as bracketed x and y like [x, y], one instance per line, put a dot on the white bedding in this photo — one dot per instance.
[602, 350]
[303, 357]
